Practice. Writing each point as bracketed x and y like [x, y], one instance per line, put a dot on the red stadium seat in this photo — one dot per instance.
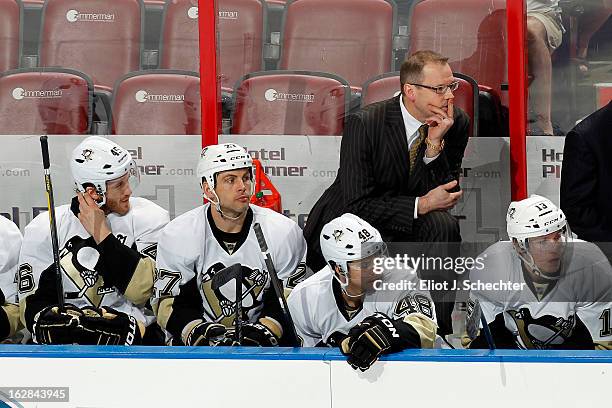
[381, 87]
[472, 33]
[100, 38]
[386, 86]
[10, 34]
[349, 38]
[241, 36]
[159, 102]
[179, 47]
[290, 103]
[45, 101]
[466, 97]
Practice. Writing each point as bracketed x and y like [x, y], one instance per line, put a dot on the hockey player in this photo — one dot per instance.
[200, 243]
[561, 293]
[344, 304]
[10, 243]
[107, 241]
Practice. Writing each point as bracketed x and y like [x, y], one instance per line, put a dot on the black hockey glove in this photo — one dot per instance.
[369, 339]
[54, 327]
[206, 334]
[253, 334]
[107, 326]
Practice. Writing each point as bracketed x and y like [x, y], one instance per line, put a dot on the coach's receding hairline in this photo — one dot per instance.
[412, 68]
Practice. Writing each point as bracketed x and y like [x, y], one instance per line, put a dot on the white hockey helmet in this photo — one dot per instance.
[532, 217]
[222, 157]
[349, 238]
[97, 160]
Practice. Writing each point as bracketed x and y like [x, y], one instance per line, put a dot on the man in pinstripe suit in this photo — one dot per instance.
[406, 202]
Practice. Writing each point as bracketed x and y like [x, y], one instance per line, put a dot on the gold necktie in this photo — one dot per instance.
[414, 149]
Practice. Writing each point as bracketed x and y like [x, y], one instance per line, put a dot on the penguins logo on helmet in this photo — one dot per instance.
[87, 153]
[222, 300]
[511, 212]
[338, 235]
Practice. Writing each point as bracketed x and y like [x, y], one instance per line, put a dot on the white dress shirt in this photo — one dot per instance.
[412, 126]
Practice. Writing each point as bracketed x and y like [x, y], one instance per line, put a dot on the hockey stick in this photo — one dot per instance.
[292, 338]
[487, 332]
[475, 319]
[51, 207]
[221, 278]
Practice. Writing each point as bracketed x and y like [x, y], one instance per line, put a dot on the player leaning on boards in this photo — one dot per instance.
[107, 241]
[198, 244]
[566, 285]
[339, 307]
[10, 243]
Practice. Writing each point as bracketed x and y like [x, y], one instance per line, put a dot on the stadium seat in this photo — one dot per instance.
[387, 85]
[11, 12]
[45, 101]
[158, 102]
[179, 47]
[290, 103]
[352, 39]
[101, 38]
[466, 97]
[471, 33]
[381, 87]
[241, 36]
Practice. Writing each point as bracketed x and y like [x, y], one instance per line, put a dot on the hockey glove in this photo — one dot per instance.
[205, 334]
[54, 327]
[107, 326]
[369, 339]
[253, 334]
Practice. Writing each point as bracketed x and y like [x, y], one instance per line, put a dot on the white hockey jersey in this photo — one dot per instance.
[10, 244]
[189, 255]
[571, 313]
[315, 306]
[81, 260]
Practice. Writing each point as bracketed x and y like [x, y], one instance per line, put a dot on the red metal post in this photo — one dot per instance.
[210, 91]
[517, 88]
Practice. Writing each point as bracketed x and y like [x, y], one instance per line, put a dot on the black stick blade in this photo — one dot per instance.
[227, 274]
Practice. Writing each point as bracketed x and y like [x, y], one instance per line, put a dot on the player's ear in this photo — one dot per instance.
[91, 191]
[207, 191]
[517, 246]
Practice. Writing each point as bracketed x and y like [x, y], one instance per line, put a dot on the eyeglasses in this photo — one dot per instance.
[441, 89]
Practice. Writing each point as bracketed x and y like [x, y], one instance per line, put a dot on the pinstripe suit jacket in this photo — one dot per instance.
[374, 179]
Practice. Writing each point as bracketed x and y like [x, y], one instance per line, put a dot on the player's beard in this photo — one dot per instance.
[120, 207]
[237, 209]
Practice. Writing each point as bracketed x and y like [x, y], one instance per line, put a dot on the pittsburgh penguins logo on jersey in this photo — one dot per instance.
[222, 301]
[545, 332]
[79, 260]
